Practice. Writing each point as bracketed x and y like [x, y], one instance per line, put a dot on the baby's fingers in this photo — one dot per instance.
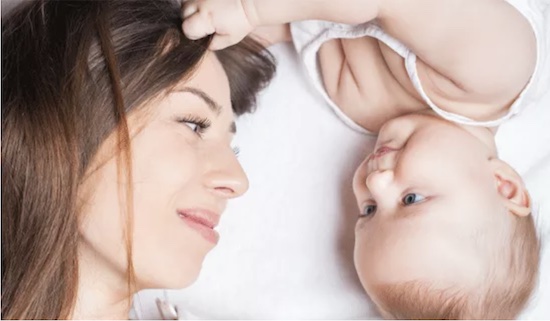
[197, 26]
[189, 8]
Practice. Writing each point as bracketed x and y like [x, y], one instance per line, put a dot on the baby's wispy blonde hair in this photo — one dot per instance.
[505, 292]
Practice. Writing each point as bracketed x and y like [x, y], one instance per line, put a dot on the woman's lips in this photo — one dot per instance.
[202, 221]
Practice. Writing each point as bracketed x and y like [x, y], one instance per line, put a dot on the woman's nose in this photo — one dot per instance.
[225, 176]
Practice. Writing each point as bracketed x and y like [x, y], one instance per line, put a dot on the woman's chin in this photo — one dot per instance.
[171, 280]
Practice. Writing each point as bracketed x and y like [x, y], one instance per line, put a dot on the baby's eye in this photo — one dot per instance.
[368, 210]
[412, 198]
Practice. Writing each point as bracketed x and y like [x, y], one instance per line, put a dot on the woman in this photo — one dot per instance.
[116, 157]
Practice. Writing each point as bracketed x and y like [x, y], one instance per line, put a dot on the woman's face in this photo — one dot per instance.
[184, 171]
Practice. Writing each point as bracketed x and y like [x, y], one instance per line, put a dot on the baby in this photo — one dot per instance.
[445, 227]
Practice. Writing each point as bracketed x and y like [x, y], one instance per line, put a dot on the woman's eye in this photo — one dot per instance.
[196, 124]
[194, 127]
[412, 198]
[368, 210]
[236, 151]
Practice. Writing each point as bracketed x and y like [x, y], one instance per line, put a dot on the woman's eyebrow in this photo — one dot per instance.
[215, 107]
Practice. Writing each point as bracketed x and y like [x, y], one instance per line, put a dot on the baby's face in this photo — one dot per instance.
[426, 196]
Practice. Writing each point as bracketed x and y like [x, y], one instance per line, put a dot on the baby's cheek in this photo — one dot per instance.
[360, 251]
[369, 257]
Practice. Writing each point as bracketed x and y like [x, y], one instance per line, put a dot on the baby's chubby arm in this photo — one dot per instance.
[480, 51]
[232, 20]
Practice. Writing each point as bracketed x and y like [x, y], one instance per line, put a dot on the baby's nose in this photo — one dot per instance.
[379, 181]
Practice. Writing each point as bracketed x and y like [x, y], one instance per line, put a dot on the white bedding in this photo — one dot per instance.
[286, 246]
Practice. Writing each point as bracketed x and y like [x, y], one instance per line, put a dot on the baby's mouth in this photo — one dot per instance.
[383, 150]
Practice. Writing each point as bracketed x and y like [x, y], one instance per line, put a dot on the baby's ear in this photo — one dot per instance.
[511, 188]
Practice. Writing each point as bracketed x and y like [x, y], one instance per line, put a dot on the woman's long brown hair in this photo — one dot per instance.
[71, 72]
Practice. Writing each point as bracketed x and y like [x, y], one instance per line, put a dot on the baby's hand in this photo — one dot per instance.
[229, 20]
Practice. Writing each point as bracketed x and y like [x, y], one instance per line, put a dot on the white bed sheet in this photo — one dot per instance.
[286, 246]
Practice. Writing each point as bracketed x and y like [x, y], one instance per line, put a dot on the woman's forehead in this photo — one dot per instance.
[210, 77]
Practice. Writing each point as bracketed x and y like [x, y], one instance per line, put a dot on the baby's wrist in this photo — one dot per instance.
[250, 8]
[273, 12]
[276, 12]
